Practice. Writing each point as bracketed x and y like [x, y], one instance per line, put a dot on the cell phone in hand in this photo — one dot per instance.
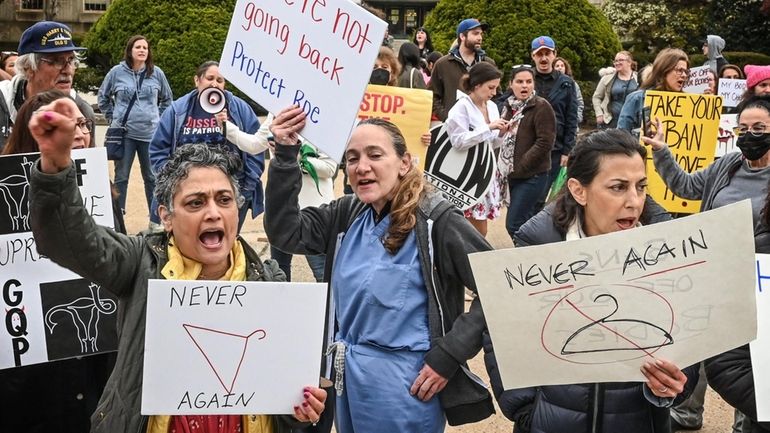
[648, 128]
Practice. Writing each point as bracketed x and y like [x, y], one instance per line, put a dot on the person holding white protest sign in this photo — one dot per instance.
[397, 263]
[199, 197]
[474, 120]
[731, 72]
[605, 192]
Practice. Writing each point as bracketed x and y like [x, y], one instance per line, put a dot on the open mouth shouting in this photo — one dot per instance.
[364, 183]
[626, 223]
[212, 239]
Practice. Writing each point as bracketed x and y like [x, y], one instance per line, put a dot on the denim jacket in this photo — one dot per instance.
[153, 98]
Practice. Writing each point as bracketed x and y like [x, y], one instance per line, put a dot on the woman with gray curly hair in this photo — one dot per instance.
[199, 199]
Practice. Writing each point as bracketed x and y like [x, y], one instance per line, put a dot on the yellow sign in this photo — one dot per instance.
[691, 123]
[409, 109]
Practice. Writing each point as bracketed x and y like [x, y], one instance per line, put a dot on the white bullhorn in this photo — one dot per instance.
[212, 100]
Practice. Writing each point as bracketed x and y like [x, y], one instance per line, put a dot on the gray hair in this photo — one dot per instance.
[26, 63]
[191, 156]
[29, 62]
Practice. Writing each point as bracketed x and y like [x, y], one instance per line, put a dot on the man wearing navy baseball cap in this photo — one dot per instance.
[466, 52]
[47, 60]
[559, 90]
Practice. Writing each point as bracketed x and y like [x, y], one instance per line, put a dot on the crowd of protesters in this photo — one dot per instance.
[392, 251]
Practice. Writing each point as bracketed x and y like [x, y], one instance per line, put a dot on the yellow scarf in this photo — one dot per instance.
[180, 267]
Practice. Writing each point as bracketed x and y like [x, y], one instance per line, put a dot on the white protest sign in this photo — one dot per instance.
[760, 348]
[221, 347]
[731, 91]
[726, 138]
[698, 81]
[49, 312]
[317, 54]
[594, 309]
[462, 176]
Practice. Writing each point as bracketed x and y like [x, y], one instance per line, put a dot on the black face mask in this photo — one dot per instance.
[753, 147]
[380, 76]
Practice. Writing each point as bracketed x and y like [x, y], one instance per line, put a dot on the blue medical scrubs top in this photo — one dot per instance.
[380, 298]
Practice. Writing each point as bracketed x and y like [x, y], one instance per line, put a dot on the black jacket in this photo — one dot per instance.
[730, 375]
[564, 103]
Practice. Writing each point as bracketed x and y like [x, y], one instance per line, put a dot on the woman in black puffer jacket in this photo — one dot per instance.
[595, 166]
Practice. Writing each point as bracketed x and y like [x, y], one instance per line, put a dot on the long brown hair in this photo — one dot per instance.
[664, 63]
[149, 66]
[21, 140]
[408, 193]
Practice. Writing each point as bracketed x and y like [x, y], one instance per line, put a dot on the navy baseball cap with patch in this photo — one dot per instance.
[541, 42]
[47, 37]
[470, 24]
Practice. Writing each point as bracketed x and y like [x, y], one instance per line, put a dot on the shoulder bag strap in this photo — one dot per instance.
[133, 99]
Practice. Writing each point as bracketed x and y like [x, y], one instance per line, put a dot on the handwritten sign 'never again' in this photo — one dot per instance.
[594, 309]
[317, 54]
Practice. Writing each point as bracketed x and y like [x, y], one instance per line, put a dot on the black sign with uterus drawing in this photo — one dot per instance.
[48, 312]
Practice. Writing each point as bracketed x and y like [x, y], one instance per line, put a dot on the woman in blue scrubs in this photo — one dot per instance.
[401, 336]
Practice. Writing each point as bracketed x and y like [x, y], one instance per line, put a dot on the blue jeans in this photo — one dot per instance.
[525, 194]
[123, 170]
[316, 262]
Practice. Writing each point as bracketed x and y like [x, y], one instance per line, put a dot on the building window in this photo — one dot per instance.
[31, 5]
[95, 5]
[410, 16]
[394, 16]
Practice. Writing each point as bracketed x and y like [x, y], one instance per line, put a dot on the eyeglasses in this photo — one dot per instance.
[85, 125]
[619, 60]
[756, 130]
[682, 71]
[521, 66]
[60, 62]
[9, 53]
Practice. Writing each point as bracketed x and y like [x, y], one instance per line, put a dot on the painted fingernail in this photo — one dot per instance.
[47, 116]
[304, 404]
[306, 389]
[296, 408]
[307, 395]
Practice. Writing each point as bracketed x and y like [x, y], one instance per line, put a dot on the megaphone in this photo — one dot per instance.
[212, 100]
